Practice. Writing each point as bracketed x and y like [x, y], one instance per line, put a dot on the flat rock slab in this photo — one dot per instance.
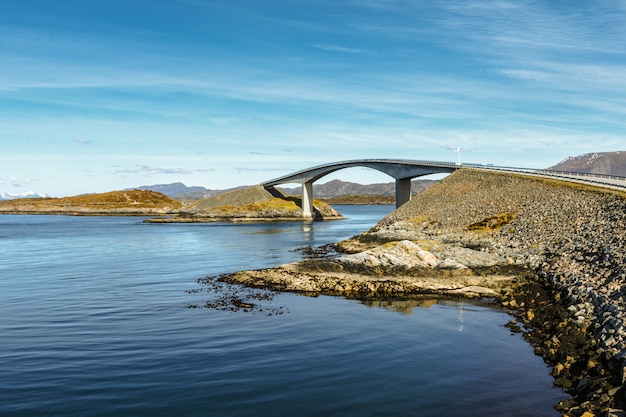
[292, 278]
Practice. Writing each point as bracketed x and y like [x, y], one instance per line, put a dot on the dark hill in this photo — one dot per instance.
[180, 191]
[607, 163]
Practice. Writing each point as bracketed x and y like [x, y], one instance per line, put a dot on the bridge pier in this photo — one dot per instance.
[403, 195]
[307, 199]
[403, 191]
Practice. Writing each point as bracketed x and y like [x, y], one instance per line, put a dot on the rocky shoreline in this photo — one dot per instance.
[551, 252]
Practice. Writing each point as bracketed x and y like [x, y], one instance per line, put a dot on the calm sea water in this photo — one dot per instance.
[94, 321]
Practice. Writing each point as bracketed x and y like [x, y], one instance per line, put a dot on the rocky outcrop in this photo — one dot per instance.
[313, 281]
[551, 252]
[403, 259]
[247, 204]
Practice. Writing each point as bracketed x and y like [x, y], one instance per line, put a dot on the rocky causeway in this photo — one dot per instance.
[551, 252]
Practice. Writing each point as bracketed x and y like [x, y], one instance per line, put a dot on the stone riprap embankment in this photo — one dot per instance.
[551, 252]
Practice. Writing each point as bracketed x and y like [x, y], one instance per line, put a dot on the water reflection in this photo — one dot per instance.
[406, 306]
[235, 297]
[268, 231]
[307, 231]
[302, 230]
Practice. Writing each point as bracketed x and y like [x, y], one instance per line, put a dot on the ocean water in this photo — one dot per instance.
[95, 321]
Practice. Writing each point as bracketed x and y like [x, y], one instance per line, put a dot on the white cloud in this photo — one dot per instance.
[525, 74]
[83, 141]
[150, 170]
[249, 169]
[16, 181]
[343, 49]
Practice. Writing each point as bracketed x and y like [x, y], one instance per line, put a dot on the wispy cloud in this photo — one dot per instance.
[457, 148]
[222, 121]
[248, 169]
[343, 49]
[398, 78]
[536, 41]
[16, 181]
[526, 74]
[520, 25]
[150, 170]
[83, 141]
[420, 96]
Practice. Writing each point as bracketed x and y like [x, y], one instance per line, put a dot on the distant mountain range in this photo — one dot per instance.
[608, 163]
[338, 188]
[28, 194]
[180, 191]
[334, 188]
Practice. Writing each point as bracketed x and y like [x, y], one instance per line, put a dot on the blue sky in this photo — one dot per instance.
[104, 95]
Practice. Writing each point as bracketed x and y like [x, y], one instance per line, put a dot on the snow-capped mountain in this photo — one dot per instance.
[607, 163]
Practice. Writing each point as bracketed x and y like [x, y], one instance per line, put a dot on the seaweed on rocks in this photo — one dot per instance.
[321, 252]
[236, 298]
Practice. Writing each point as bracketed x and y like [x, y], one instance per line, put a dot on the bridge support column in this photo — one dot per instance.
[403, 191]
[307, 199]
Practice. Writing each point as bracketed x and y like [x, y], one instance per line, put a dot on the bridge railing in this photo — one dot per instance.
[586, 175]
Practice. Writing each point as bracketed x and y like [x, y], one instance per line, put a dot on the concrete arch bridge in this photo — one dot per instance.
[401, 170]
[405, 170]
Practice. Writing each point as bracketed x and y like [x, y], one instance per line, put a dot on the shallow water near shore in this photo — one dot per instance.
[95, 321]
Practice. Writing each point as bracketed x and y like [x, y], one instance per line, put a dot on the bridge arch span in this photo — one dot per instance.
[401, 170]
